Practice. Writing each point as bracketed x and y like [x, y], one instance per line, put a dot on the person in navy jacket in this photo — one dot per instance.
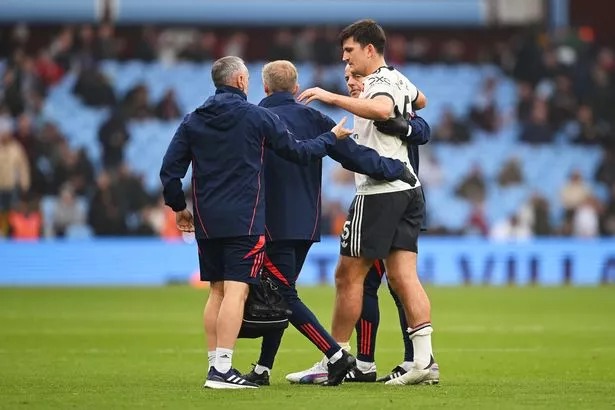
[293, 209]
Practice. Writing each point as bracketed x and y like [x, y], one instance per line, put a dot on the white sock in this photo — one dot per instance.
[224, 359]
[211, 358]
[336, 356]
[258, 369]
[366, 366]
[343, 345]
[421, 341]
[407, 366]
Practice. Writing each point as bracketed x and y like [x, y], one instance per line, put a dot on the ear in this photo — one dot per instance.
[371, 51]
[266, 88]
[296, 89]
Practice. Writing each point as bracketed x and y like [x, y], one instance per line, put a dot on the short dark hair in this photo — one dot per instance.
[365, 32]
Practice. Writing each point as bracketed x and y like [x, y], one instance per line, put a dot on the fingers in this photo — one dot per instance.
[342, 122]
[305, 95]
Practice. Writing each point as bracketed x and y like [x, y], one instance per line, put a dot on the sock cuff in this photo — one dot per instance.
[345, 346]
[222, 350]
[424, 329]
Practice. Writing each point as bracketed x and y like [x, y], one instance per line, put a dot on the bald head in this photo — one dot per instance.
[280, 75]
[231, 71]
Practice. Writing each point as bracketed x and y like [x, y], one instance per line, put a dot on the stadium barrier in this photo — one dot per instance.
[442, 261]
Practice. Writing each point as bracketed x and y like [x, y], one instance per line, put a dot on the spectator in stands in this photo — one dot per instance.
[588, 130]
[25, 221]
[135, 104]
[161, 220]
[12, 94]
[304, 45]
[236, 45]
[14, 173]
[74, 167]
[282, 47]
[484, 112]
[105, 215]
[432, 175]
[113, 136]
[563, 103]
[132, 194]
[452, 51]
[586, 222]
[536, 215]
[477, 221]
[418, 50]
[67, 212]
[326, 48]
[107, 46]
[396, 50]
[574, 193]
[510, 229]
[167, 109]
[47, 69]
[602, 93]
[525, 95]
[538, 129]
[510, 173]
[473, 187]
[607, 222]
[605, 172]
[84, 48]
[201, 49]
[94, 89]
[60, 53]
[146, 48]
[451, 129]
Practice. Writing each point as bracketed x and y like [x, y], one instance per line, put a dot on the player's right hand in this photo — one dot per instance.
[184, 221]
[339, 130]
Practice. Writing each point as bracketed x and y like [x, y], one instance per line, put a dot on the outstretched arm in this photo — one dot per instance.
[364, 160]
[283, 142]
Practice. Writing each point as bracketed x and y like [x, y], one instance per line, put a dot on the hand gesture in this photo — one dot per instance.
[339, 130]
[184, 221]
[315, 93]
[397, 126]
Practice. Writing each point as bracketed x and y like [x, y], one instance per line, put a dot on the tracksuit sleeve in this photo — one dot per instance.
[364, 160]
[174, 167]
[282, 141]
[421, 132]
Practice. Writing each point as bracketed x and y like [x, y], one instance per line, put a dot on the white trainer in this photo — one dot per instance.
[316, 374]
[418, 376]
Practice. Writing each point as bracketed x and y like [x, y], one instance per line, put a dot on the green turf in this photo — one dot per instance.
[142, 347]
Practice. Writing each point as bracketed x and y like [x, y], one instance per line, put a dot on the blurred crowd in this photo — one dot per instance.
[566, 91]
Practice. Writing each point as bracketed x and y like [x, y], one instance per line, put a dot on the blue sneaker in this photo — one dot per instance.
[229, 380]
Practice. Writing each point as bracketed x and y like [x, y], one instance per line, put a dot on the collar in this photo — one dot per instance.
[278, 98]
[231, 90]
[388, 67]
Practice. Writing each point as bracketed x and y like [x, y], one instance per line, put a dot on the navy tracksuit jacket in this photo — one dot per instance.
[225, 140]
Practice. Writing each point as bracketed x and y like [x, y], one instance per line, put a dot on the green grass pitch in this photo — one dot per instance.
[109, 348]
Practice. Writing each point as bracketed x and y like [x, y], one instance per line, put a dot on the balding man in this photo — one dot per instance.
[293, 217]
[225, 141]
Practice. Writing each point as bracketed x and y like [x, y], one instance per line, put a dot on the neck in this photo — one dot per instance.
[376, 64]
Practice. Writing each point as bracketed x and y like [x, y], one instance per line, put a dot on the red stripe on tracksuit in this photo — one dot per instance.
[315, 337]
[275, 271]
[366, 337]
[257, 264]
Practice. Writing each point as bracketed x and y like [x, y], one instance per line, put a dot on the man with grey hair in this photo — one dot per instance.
[293, 214]
[225, 140]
